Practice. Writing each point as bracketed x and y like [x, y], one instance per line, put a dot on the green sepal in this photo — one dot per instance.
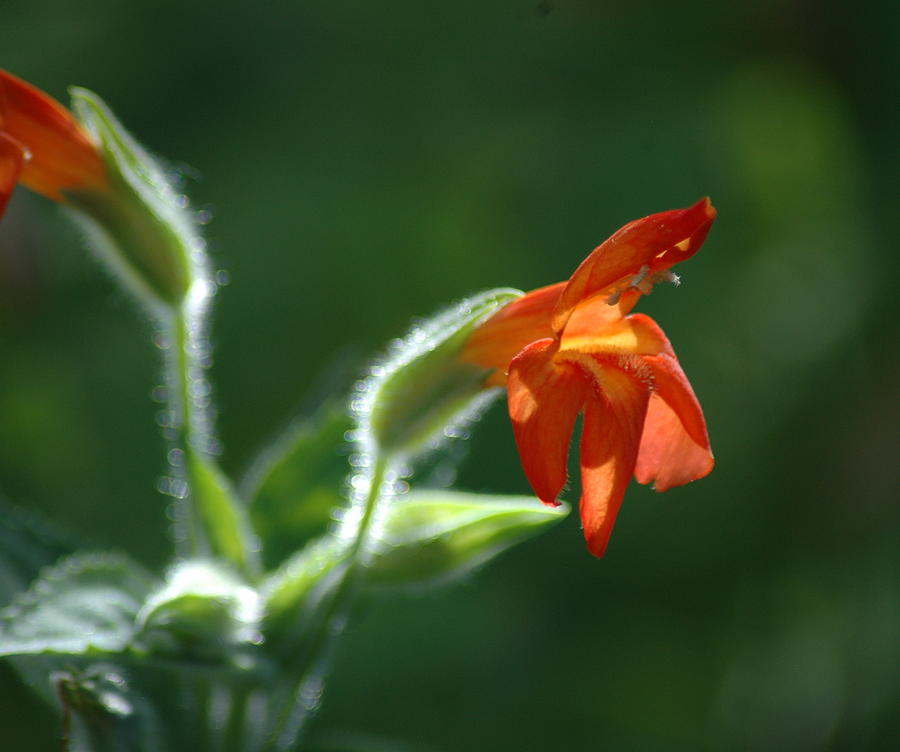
[297, 484]
[430, 537]
[84, 606]
[295, 594]
[203, 612]
[145, 236]
[423, 388]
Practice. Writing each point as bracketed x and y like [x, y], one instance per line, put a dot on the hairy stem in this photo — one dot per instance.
[182, 424]
[210, 519]
[174, 423]
[297, 700]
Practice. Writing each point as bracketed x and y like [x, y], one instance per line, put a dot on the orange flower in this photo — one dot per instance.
[42, 145]
[572, 348]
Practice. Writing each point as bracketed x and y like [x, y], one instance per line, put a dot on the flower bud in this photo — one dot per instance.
[436, 536]
[202, 612]
[139, 223]
[423, 388]
[90, 164]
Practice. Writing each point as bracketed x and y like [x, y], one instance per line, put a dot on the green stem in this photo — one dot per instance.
[212, 520]
[190, 538]
[370, 505]
[233, 740]
[201, 713]
[295, 702]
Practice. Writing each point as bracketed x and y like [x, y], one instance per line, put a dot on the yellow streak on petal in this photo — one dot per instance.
[621, 337]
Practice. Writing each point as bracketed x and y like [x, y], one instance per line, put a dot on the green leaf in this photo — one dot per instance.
[85, 605]
[298, 483]
[422, 388]
[224, 516]
[434, 536]
[27, 544]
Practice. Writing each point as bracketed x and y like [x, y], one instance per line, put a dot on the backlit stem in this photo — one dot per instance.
[295, 703]
[182, 425]
[210, 519]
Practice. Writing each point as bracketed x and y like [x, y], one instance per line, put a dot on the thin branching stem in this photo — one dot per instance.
[296, 702]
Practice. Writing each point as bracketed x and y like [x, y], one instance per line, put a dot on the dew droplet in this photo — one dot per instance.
[161, 340]
[166, 418]
[359, 483]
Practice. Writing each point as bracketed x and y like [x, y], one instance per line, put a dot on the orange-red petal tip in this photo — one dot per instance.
[63, 156]
[646, 242]
[12, 158]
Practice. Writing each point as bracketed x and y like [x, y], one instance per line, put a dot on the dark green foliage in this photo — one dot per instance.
[27, 544]
[296, 486]
[84, 605]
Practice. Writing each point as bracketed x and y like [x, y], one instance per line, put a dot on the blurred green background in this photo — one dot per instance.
[368, 162]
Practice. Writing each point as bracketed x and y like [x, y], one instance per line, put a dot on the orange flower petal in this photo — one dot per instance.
[668, 454]
[675, 445]
[671, 384]
[672, 235]
[544, 401]
[669, 380]
[613, 421]
[497, 341]
[685, 249]
[597, 327]
[591, 317]
[11, 159]
[62, 154]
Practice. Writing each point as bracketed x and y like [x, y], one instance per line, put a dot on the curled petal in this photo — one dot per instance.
[613, 421]
[669, 380]
[62, 154]
[675, 446]
[657, 241]
[671, 384]
[686, 248]
[12, 157]
[544, 401]
[497, 341]
[668, 454]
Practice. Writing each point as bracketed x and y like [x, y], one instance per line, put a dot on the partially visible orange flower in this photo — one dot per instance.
[573, 348]
[42, 146]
